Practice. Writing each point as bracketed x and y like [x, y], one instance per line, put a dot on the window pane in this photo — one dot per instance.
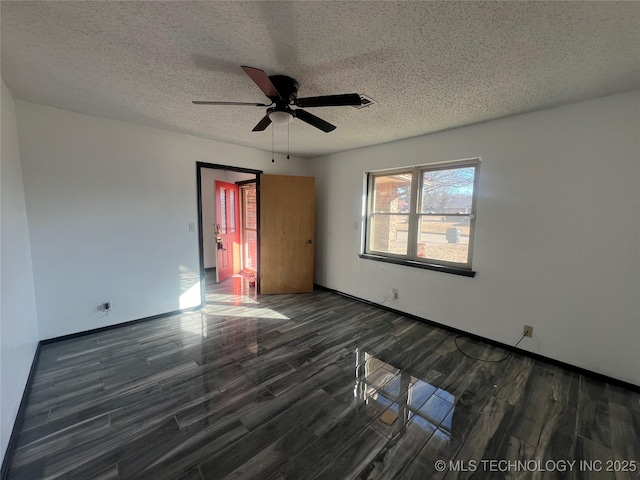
[444, 238]
[250, 208]
[389, 233]
[391, 193]
[251, 249]
[223, 211]
[447, 191]
[232, 208]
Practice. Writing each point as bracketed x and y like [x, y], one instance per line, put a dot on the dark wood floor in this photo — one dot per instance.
[311, 386]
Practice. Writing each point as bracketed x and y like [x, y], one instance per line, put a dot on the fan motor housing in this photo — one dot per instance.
[286, 86]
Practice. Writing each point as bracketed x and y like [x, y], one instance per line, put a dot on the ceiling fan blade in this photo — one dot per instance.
[311, 119]
[262, 124]
[330, 100]
[263, 81]
[204, 102]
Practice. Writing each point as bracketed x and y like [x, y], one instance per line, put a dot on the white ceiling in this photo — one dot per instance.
[429, 65]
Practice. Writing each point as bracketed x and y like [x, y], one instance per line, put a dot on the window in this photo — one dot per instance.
[232, 210]
[423, 216]
[250, 227]
[223, 211]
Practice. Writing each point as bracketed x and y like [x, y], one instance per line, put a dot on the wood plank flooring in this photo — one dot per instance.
[312, 386]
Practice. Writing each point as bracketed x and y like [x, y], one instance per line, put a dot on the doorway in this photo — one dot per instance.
[284, 251]
[221, 234]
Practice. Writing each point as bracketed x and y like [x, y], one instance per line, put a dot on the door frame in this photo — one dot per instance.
[215, 166]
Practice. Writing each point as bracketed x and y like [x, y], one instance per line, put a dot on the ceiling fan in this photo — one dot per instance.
[283, 93]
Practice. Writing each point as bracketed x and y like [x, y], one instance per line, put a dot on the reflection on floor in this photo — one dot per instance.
[310, 386]
[401, 396]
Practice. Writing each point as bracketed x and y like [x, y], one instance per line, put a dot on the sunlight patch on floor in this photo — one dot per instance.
[230, 299]
[244, 312]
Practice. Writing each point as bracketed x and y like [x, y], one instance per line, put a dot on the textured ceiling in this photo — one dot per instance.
[429, 65]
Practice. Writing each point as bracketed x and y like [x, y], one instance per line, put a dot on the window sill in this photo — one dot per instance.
[414, 264]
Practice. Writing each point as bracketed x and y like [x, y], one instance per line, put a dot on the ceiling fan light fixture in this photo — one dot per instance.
[280, 118]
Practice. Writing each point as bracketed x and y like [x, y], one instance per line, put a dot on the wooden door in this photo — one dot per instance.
[286, 234]
[227, 229]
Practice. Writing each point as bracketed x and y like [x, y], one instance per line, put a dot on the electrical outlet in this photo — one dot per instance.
[105, 307]
[394, 293]
[528, 331]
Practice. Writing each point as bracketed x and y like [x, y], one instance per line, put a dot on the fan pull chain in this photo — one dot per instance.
[272, 154]
[288, 146]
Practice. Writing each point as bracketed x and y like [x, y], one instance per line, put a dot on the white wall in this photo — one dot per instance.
[109, 204]
[557, 241]
[18, 320]
[209, 176]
